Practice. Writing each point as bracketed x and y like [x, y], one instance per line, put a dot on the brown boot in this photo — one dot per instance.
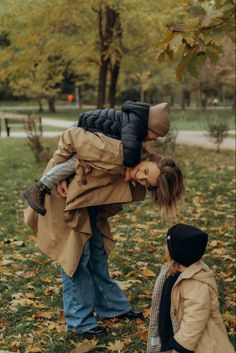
[35, 196]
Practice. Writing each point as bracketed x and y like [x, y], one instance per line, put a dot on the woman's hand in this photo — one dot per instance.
[62, 188]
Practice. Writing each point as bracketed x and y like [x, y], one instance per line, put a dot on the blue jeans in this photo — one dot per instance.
[91, 289]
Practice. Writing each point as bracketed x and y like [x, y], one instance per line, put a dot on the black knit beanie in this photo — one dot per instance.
[186, 244]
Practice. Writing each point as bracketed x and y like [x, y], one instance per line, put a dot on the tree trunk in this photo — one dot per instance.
[141, 93]
[172, 99]
[114, 78]
[40, 106]
[101, 97]
[51, 104]
[115, 69]
[183, 100]
[107, 19]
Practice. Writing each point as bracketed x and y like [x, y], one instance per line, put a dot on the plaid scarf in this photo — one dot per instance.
[154, 343]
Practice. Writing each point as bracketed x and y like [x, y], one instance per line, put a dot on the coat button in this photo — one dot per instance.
[84, 182]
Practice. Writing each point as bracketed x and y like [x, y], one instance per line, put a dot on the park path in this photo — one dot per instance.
[193, 138]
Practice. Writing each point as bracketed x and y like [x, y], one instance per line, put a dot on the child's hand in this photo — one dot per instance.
[62, 188]
[127, 174]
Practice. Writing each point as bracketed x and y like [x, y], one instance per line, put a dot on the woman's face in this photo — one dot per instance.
[145, 173]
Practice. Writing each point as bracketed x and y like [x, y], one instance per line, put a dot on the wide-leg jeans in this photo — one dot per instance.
[91, 289]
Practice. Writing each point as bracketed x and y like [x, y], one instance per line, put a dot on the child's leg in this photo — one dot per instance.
[35, 195]
[59, 172]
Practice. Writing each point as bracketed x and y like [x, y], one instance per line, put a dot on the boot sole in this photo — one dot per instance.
[91, 336]
[32, 204]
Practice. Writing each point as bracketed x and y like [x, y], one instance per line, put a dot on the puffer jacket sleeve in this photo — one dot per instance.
[93, 147]
[196, 311]
[133, 130]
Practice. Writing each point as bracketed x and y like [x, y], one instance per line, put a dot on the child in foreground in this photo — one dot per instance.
[185, 315]
[134, 124]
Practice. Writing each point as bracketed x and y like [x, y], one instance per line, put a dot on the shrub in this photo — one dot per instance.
[167, 144]
[218, 131]
[41, 153]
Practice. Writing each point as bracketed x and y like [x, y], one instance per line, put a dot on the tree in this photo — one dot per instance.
[43, 46]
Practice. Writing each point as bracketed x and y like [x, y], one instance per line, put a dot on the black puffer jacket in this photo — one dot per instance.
[128, 125]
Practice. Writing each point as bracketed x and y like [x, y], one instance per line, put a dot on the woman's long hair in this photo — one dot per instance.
[170, 188]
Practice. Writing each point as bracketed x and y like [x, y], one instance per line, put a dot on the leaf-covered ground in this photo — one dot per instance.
[31, 316]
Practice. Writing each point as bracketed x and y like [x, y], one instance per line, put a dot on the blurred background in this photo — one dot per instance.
[104, 52]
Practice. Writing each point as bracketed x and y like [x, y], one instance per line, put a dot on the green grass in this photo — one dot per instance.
[32, 282]
[199, 120]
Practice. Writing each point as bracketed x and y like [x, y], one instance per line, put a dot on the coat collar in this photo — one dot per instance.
[191, 271]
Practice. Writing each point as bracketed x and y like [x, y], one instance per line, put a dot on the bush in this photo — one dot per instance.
[164, 146]
[218, 131]
[41, 153]
[167, 144]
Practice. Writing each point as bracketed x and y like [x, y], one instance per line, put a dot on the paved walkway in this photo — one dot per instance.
[201, 139]
[194, 138]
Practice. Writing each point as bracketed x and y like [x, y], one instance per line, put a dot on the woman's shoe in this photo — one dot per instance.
[131, 315]
[94, 332]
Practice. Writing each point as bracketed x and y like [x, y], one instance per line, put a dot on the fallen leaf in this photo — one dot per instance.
[46, 280]
[15, 345]
[147, 312]
[33, 349]
[61, 317]
[32, 237]
[214, 243]
[148, 273]
[43, 314]
[29, 274]
[124, 285]
[116, 346]
[85, 347]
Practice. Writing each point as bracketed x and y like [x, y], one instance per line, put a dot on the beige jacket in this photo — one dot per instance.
[99, 180]
[198, 325]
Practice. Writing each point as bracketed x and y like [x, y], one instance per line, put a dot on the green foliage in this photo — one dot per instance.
[194, 35]
[218, 131]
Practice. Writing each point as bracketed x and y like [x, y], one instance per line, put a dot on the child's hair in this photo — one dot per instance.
[170, 190]
[172, 264]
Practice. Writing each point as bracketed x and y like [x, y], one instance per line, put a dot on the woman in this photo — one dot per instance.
[75, 232]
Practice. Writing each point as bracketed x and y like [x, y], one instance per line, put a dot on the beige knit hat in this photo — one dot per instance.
[158, 119]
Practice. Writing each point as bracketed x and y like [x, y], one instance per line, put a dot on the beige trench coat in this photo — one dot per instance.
[195, 315]
[195, 304]
[99, 180]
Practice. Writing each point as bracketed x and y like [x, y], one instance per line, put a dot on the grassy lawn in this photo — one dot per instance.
[199, 120]
[30, 293]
